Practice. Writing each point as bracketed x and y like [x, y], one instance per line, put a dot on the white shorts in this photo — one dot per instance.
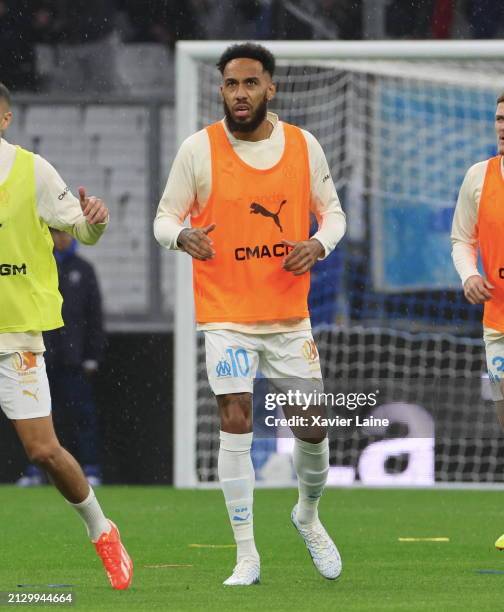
[494, 348]
[24, 388]
[233, 358]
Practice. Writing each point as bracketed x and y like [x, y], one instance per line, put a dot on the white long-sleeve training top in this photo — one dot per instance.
[189, 186]
[464, 235]
[58, 208]
[464, 229]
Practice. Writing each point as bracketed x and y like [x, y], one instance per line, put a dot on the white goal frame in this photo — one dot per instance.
[187, 56]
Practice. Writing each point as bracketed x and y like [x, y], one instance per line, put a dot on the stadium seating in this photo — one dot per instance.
[105, 148]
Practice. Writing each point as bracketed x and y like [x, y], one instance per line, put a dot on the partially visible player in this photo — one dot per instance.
[248, 183]
[478, 224]
[33, 197]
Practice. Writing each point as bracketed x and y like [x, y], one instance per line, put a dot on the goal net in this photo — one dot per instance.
[400, 123]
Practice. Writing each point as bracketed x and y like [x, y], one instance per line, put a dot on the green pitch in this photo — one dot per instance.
[43, 542]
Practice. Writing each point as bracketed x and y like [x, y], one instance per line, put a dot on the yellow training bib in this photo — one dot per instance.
[29, 295]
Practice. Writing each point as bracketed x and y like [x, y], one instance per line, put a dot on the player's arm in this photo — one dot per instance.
[464, 237]
[85, 218]
[325, 204]
[178, 199]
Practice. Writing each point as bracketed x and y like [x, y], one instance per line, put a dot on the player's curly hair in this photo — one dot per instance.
[500, 98]
[5, 93]
[250, 51]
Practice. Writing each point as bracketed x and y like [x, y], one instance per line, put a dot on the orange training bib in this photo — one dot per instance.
[254, 210]
[491, 241]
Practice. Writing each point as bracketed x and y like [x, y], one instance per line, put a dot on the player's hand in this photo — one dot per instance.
[93, 208]
[303, 257]
[196, 242]
[477, 289]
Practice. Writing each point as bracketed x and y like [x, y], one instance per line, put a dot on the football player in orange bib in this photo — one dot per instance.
[248, 184]
[478, 224]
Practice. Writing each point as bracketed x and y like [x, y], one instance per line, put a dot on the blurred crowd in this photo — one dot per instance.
[72, 26]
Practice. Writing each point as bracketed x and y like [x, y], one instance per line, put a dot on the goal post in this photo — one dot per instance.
[430, 62]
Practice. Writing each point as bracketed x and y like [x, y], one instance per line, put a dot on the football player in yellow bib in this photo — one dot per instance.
[33, 198]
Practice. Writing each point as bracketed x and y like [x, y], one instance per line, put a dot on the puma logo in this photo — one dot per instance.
[258, 209]
[30, 394]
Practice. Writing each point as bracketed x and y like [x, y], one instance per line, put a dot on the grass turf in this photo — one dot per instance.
[42, 542]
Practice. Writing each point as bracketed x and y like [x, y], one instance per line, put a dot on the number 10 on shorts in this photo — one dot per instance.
[239, 361]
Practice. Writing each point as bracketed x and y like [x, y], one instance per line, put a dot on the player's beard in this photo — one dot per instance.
[247, 126]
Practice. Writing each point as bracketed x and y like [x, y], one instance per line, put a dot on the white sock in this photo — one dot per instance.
[91, 513]
[311, 462]
[237, 478]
